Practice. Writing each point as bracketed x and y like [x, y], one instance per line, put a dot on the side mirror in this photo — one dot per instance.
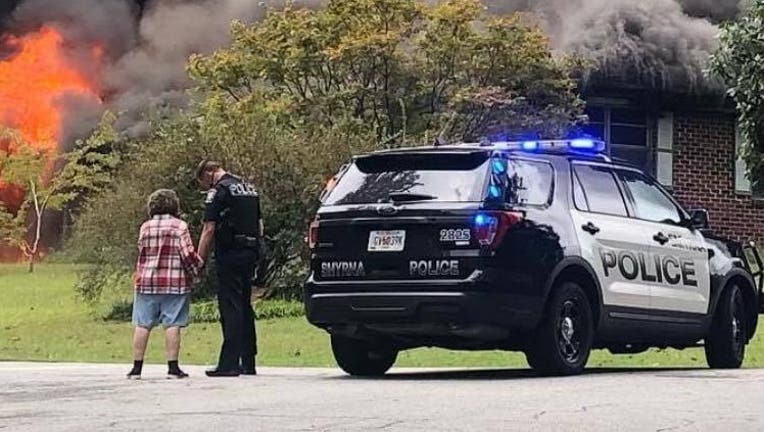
[699, 219]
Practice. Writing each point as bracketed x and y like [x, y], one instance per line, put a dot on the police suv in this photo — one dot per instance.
[545, 247]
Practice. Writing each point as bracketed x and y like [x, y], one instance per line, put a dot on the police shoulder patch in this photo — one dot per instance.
[210, 195]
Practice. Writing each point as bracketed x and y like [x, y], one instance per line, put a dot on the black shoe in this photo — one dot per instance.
[222, 373]
[178, 374]
[248, 371]
[133, 375]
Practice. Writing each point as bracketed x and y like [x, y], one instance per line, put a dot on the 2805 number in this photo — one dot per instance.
[448, 235]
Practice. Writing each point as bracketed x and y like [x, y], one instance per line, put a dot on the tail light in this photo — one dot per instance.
[489, 228]
[313, 234]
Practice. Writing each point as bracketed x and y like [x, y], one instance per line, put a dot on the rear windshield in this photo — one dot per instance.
[449, 177]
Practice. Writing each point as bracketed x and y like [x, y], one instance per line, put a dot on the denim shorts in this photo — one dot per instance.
[170, 310]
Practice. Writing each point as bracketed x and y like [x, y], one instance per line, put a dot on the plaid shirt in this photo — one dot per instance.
[167, 261]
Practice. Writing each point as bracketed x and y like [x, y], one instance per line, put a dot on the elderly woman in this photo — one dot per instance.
[167, 264]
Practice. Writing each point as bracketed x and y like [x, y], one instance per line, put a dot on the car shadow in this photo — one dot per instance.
[507, 374]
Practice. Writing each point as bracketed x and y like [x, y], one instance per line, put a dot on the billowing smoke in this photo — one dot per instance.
[146, 44]
[716, 10]
[661, 44]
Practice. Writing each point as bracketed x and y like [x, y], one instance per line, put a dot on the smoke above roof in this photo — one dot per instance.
[658, 44]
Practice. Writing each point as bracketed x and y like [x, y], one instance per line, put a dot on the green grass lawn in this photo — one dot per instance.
[40, 319]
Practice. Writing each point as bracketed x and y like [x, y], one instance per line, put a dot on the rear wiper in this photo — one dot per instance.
[402, 196]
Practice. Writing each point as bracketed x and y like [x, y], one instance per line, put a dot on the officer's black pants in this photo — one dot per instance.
[235, 271]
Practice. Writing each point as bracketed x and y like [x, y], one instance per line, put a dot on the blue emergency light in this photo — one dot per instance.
[587, 145]
[582, 143]
[499, 166]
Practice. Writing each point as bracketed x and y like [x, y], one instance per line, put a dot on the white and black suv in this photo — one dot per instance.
[545, 247]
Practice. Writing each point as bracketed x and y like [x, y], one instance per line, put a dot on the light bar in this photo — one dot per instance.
[579, 144]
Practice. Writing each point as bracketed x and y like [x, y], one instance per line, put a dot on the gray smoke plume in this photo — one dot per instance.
[716, 10]
[145, 56]
[152, 74]
[661, 44]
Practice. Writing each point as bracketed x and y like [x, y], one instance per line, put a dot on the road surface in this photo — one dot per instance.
[74, 397]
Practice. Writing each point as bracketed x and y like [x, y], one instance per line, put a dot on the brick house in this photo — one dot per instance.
[689, 143]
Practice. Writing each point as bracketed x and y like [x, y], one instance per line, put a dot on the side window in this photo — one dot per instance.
[578, 194]
[650, 202]
[600, 190]
[530, 182]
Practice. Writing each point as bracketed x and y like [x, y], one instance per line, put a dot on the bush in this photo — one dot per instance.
[122, 310]
[266, 309]
[207, 311]
[288, 173]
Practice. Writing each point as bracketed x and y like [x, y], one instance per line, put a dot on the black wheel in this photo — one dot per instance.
[562, 342]
[725, 343]
[361, 358]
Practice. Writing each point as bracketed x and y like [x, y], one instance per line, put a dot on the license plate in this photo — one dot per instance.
[387, 241]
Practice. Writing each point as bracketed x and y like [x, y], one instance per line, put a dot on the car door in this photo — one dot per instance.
[680, 277]
[609, 242]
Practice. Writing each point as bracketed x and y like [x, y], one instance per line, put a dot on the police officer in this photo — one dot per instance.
[232, 217]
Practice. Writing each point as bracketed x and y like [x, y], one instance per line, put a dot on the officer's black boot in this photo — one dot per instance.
[216, 373]
[248, 367]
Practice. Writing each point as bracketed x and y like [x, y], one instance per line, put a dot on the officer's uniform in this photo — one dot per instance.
[234, 206]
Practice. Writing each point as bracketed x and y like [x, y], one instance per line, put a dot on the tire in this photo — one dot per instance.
[360, 358]
[561, 344]
[725, 343]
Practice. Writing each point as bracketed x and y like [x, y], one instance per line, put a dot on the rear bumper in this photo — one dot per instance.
[421, 307]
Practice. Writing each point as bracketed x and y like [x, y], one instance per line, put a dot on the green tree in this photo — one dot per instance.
[49, 183]
[25, 168]
[739, 62]
[401, 67]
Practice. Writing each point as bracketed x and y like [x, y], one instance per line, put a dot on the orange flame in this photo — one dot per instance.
[32, 80]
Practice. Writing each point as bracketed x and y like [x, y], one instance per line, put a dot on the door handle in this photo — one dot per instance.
[661, 238]
[590, 228]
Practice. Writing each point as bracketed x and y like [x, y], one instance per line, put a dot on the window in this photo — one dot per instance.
[742, 183]
[627, 134]
[457, 177]
[578, 195]
[650, 202]
[624, 130]
[600, 190]
[664, 158]
[530, 183]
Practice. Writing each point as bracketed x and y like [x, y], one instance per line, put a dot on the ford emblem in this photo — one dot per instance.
[387, 210]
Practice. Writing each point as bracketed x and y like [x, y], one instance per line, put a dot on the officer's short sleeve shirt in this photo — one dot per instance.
[215, 202]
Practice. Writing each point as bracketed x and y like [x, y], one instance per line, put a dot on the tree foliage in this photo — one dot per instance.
[48, 183]
[739, 61]
[287, 165]
[401, 67]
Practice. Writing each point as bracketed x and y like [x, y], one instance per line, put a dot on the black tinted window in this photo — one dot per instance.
[412, 177]
[600, 190]
[530, 183]
[650, 202]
